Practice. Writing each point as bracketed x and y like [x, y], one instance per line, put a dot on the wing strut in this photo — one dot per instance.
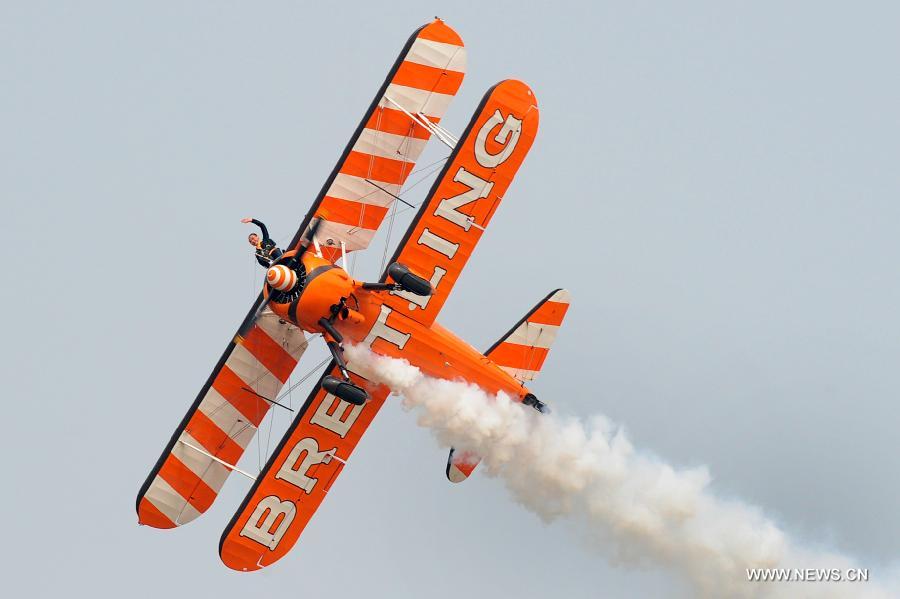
[438, 131]
[438, 127]
[212, 457]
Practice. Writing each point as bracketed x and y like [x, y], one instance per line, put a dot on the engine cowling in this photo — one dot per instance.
[324, 286]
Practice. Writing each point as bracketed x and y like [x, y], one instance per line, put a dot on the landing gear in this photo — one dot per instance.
[404, 280]
[409, 281]
[345, 390]
[534, 402]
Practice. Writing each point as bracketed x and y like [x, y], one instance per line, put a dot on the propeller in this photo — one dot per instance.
[291, 262]
[309, 236]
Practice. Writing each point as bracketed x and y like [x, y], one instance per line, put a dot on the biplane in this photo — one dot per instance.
[306, 291]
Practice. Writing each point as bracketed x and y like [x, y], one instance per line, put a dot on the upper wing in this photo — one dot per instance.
[297, 477]
[386, 145]
[384, 148]
[221, 422]
[466, 195]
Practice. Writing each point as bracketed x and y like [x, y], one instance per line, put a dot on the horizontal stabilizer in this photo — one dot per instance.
[521, 352]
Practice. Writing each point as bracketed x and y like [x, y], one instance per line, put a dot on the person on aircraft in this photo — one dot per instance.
[267, 250]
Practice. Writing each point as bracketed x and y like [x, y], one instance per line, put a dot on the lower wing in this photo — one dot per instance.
[212, 436]
[298, 476]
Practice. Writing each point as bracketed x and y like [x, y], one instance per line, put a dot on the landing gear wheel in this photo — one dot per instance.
[345, 390]
[408, 281]
[534, 402]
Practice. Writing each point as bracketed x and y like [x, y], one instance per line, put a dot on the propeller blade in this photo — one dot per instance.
[248, 322]
[310, 235]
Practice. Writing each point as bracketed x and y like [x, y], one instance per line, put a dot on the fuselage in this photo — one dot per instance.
[436, 351]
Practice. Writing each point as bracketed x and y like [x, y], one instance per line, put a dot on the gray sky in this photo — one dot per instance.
[716, 183]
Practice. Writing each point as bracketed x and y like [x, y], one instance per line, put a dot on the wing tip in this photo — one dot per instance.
[233, 561]
[454, 474]
[149, 515]
[460, 467]
[519, 88]
[562, 296]
[438, 31]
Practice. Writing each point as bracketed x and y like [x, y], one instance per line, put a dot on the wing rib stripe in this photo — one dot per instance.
[269, 353]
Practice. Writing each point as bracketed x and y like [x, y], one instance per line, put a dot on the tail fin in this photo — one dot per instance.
[521, 352]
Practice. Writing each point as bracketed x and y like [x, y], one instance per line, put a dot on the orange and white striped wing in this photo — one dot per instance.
[386, 145]
[298, 476]
[220, 423]
[522, 351]
[465, 196]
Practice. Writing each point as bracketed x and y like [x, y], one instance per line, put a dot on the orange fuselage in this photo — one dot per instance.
[436, 351]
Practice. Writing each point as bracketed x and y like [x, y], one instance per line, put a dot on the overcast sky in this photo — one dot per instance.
[716, 183]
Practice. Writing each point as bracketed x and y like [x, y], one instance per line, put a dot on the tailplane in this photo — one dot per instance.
[521, 352]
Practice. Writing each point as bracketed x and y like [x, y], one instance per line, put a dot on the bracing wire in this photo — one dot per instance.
[387, 239]
[304, 377]
[428, 170]
[395, 211]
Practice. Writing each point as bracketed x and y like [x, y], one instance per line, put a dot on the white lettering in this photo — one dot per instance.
[478, 188]
[268, 515]
[508, 136]
[333, 414]
[438, 244]
[422, 300]
[381, 330]
[295, 473]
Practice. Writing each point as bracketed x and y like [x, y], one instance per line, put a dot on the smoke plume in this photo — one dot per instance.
[634, 507]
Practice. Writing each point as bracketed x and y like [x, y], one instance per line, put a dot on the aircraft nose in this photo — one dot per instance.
[281, 277]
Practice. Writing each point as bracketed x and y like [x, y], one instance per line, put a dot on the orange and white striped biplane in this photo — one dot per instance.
[306, 291]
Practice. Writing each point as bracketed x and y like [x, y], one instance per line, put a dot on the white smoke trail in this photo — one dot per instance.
[634, 505]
